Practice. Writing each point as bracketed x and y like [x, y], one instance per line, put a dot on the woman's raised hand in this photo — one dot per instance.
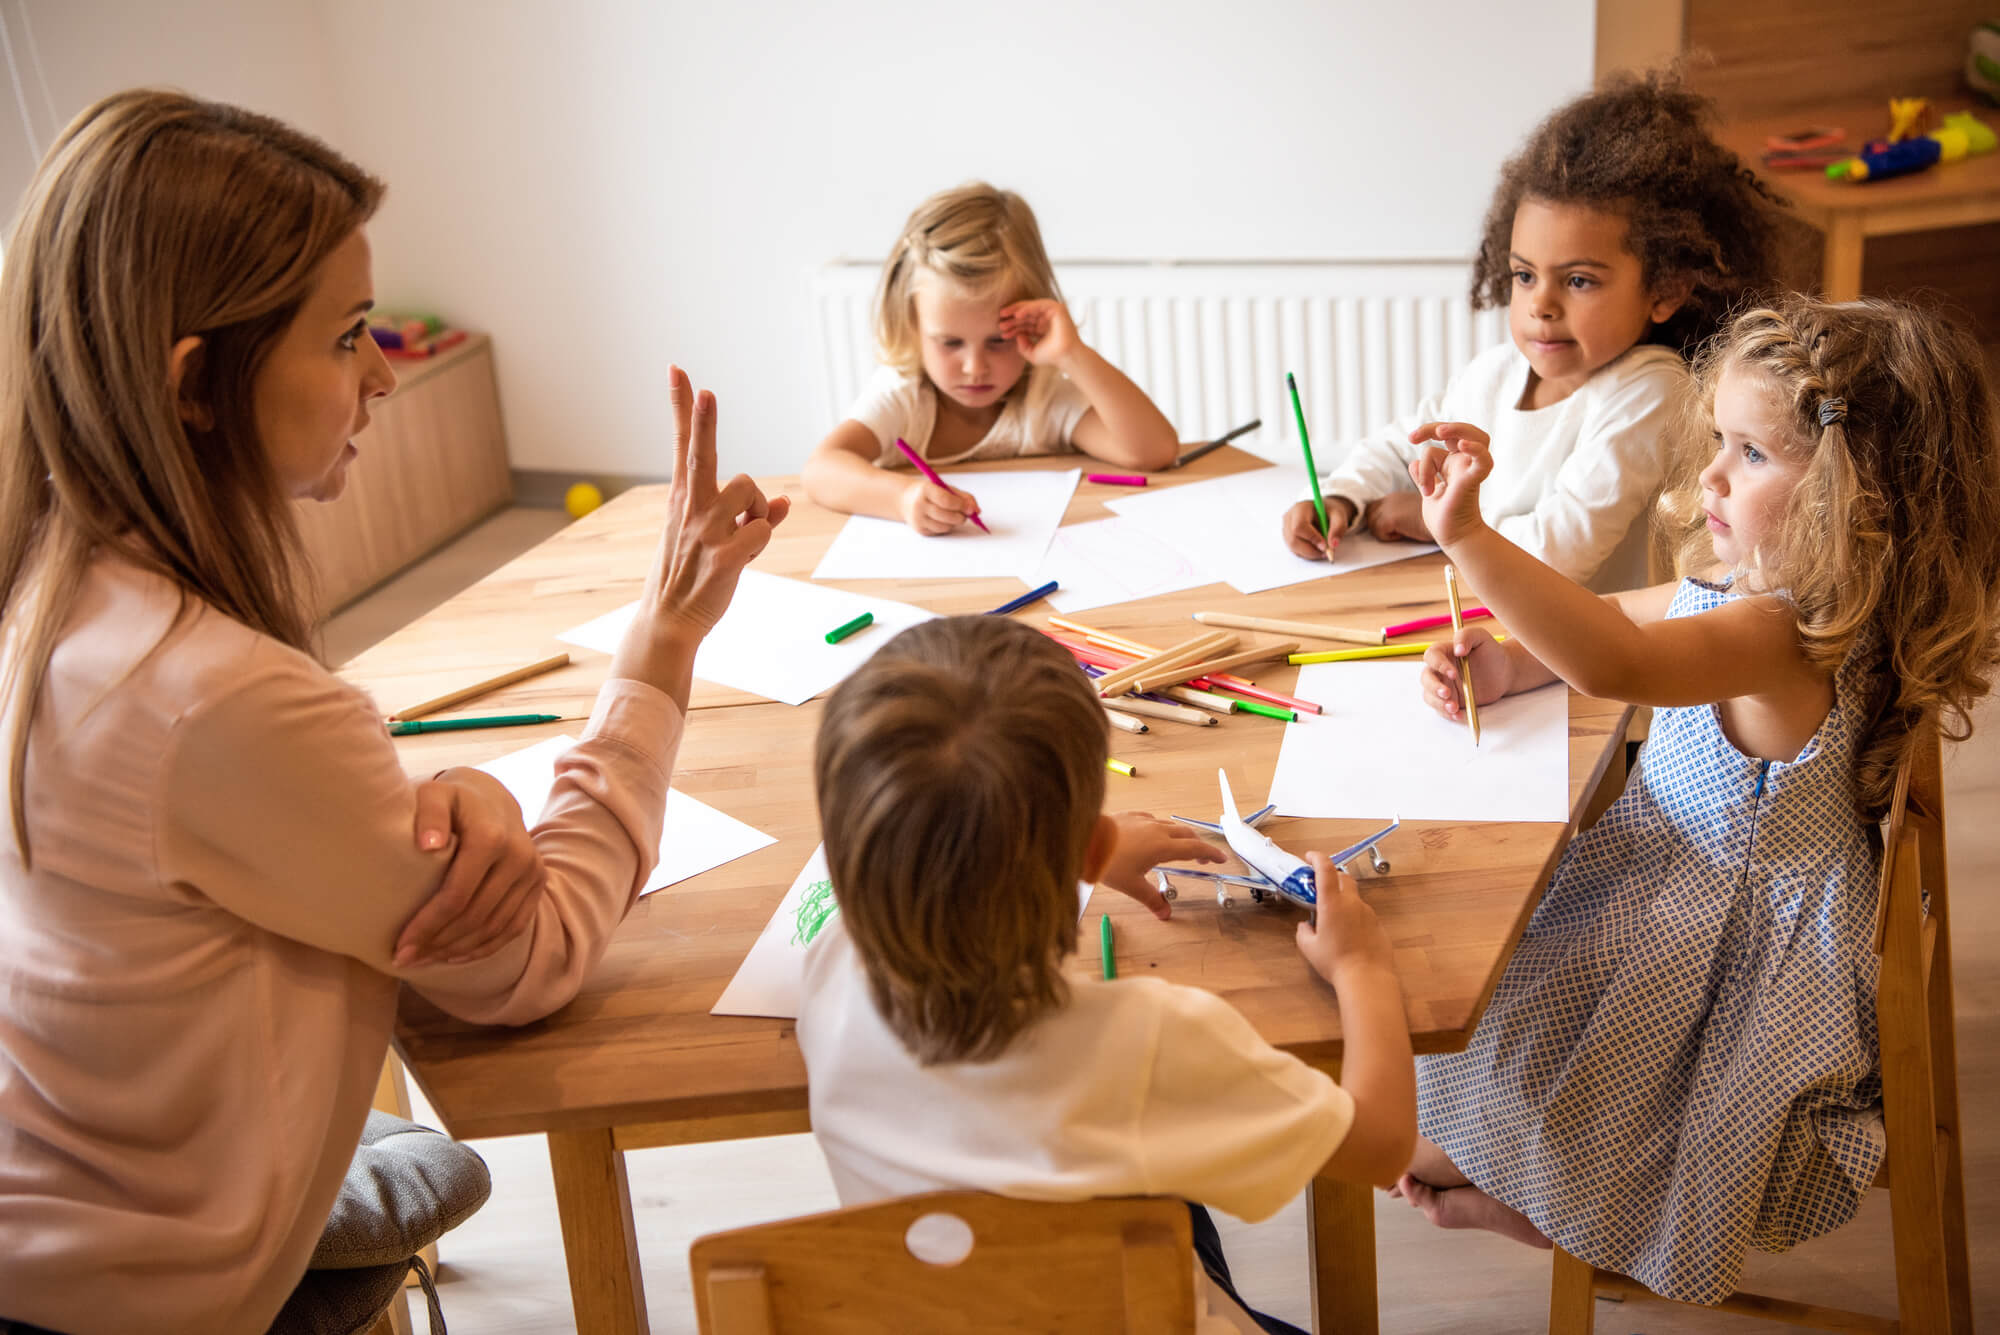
[710, 535]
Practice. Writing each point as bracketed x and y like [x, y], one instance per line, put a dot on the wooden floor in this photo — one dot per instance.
[503, 1269]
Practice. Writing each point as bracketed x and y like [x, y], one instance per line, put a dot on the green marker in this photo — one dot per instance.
[409, 726]
[1312, 473]
[1268, 711]
[1104, 940]
[847, 628]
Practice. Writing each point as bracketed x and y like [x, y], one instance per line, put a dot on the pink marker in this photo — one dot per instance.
[1116, 479]
[931, 474]
[1430, 623]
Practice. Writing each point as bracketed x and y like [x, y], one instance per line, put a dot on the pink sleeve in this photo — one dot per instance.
[282, 801]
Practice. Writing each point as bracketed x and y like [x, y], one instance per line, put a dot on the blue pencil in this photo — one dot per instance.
[1032, 595]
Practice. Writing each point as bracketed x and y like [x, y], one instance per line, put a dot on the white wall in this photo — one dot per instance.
[610, 185]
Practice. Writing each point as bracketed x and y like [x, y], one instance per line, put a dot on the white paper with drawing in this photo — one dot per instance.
[772, 641]
[1377, 751]
[1110, 561]
[1230, 527]
[771, 976]
[696, 836]
[1022, 509]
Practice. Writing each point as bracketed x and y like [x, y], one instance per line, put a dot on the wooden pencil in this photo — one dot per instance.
[1310, 630]
[1209, 700]
[1125, 722]
[1117, 683]
[1131, 704]
[1208, 667]
[465, 693]
[1464, 664]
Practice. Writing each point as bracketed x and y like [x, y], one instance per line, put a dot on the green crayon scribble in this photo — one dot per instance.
[816, 905]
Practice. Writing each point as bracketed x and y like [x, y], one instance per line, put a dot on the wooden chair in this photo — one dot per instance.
[1099, 1267]
[1919, 1100]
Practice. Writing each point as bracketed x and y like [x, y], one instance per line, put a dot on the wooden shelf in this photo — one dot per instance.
[432, 463]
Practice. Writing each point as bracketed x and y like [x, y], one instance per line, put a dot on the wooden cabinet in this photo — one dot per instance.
[432, 463]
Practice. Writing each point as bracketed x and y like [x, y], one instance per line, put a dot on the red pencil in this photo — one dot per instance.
[931, 474]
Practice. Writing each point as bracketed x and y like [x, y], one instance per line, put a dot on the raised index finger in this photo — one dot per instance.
[681, 394]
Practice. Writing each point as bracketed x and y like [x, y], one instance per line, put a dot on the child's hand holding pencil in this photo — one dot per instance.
[1492, 671]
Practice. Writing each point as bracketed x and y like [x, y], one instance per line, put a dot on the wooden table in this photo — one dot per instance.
[1952, 194]
[636, 1060]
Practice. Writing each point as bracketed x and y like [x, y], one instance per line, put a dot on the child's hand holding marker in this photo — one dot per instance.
[1448, 476]
[929, 506]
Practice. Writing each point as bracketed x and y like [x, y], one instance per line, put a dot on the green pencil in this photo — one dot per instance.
[1104, 940]
[408, 726]
[1268, 711]
[1312, 473]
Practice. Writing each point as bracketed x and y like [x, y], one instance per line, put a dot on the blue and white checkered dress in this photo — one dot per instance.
[1680, 1060]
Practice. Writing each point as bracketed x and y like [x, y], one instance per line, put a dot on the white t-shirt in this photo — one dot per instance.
[1136, 1087]
[1039, 417]
[1572, 483]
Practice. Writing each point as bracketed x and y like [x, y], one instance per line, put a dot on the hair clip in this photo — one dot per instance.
[1831, 411]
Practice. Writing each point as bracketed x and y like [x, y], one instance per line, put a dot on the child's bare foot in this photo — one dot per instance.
[1432, 1166]
[1469, 1207]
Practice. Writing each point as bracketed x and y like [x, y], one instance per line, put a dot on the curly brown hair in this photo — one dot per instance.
[960, 775]
[1891, 539]
[1639, 147]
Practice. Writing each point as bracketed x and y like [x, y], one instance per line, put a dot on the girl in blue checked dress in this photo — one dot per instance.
[1680, 1060]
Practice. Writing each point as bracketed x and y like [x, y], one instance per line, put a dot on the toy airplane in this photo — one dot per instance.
[1274, 871]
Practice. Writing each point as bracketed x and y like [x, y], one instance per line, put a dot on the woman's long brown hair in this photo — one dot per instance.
[155, 217]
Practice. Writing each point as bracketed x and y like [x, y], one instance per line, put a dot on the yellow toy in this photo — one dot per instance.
[581, 499]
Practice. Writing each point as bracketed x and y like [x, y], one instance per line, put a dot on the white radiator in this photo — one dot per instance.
[1211, 342]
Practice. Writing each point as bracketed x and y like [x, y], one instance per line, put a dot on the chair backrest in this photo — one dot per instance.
[981, 1263]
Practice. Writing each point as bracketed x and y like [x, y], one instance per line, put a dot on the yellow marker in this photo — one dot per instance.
[1351, 655]
[1117, 766]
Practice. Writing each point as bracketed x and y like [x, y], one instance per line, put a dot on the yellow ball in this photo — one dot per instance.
[581, 499]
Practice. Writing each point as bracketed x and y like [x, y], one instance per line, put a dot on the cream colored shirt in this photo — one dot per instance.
[1038, 417]
[196, 983]
[1572, 483]
[1136, 1087]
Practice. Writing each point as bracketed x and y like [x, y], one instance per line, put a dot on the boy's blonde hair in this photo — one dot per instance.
[960, 775]
[155, 216]
[1891, 539]
[980, 239]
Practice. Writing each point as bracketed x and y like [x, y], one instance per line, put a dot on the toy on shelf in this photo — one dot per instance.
[1960, 136]
[412, 335]
[1813, 147]
[1982, 62]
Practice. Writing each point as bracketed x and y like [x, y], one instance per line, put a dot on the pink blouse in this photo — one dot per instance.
[196, 982]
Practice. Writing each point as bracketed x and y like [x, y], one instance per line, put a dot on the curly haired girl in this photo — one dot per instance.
[1680, 1061]
[1617, 239]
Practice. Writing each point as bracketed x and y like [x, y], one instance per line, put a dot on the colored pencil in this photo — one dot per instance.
[409, 727]
[1132, 704]
[847, 628]
[1310, 630]
[1117, 683]
[1116, 479]
[1124, 722]
[1431, 623]
[465, 693]
[1464, 664]
[1305, 444]
[1221, 681]
[1174, 676]
[931, 475]
[1210, 700]
[1216, 444]
[1032, 595]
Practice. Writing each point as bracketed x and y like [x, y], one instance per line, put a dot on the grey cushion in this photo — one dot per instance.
[407, 1186]
[341, 1302]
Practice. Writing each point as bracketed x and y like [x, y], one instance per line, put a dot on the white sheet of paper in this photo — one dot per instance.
[1229, 527]
[772, 641]
[1022, 509]
[696, 836]
[1377, 751]
[769, 980]
[1110, 561]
